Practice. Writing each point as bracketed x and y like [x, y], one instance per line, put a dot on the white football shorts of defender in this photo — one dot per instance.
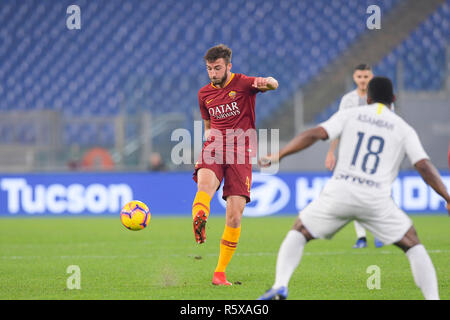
[373, 143]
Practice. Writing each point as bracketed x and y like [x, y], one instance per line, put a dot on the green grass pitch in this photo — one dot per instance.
[163, 262]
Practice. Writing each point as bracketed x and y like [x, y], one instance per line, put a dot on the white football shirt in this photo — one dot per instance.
[373, 143]
[351, 100]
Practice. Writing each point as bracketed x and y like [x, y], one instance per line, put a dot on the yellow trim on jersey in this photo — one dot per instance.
[380, 108]
[231, 78]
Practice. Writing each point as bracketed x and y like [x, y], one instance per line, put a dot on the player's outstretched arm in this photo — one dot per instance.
[432, 177]
[330, 160]
[265, 84]
[300, 142]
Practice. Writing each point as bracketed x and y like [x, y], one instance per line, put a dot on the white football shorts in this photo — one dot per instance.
[325, 216]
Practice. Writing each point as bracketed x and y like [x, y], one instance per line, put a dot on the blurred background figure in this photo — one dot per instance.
[156, 162]
[74, 161]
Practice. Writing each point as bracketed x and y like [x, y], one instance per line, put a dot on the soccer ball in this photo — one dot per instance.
[135, 215]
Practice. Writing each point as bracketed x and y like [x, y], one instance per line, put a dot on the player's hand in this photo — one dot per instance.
[260, 82]
[268, 160]
[330, 161]
[448, 208]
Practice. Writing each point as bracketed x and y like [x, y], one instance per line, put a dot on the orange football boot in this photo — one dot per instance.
[219, 279]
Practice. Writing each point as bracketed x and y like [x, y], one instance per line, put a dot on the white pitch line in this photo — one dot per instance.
[325, 253]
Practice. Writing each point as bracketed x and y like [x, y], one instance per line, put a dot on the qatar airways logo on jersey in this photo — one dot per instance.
[224, 110]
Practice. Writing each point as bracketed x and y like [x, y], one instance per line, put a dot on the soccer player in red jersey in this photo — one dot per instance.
[227, 106]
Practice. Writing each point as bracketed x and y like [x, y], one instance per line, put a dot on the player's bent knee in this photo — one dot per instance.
[233, 218]
[206, 187]
[207, 180]
[409, 240]
[300, 227]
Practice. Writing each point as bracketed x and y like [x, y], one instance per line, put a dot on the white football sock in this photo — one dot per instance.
[289, 256]
[423, 271]
[360, 231]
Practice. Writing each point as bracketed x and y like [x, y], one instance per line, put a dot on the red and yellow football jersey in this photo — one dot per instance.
[230, 107]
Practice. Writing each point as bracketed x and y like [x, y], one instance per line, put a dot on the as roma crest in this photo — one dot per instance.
[232, 94]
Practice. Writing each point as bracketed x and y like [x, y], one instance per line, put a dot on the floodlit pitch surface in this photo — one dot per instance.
[163, 262]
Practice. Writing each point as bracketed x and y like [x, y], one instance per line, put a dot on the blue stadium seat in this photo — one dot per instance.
[136, 52]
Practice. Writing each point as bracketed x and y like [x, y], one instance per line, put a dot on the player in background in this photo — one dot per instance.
[227, 106]
[374, 140]
[362, 74]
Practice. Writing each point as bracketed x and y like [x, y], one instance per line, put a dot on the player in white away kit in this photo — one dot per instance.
[362, 74]
[373, 142]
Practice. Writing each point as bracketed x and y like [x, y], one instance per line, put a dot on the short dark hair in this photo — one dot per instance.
[363, 66]
[380, 89]
[217, 52]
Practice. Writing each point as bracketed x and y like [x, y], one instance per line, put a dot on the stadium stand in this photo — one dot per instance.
[422, 57]
[136, 56]
[130, 55]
